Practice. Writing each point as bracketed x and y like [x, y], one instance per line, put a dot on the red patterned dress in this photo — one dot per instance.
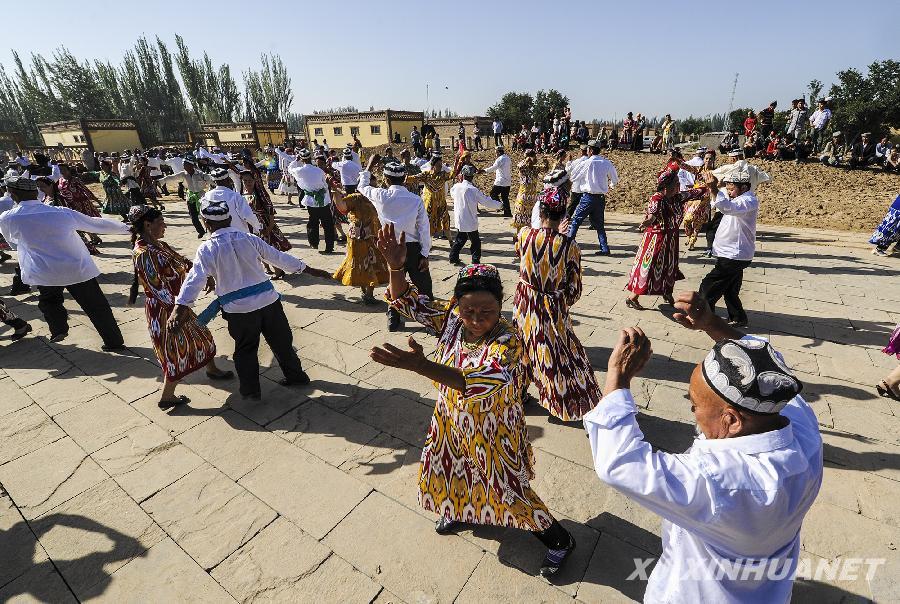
[75, 196]
[271, 234]
[477, 462]
[161, 271]
[554, 359]
[655, 269]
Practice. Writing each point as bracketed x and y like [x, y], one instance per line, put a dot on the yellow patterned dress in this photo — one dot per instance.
[477, 462]
[364, 266]
[435, 197]
[529, 187]
[161, 271]
[554, 359]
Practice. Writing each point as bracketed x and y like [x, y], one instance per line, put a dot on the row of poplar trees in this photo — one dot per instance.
[143, 87]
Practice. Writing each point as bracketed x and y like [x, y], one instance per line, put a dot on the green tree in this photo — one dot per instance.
[815, 88]
[867, 102]
[544, 102]
[736, 119]
[513, 110]
[267, 92]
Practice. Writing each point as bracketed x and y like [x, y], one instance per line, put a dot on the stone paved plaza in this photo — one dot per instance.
[310, 495]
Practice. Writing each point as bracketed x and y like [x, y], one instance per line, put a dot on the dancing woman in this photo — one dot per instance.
[888, 231]
[265, 213]
[161, 271]
[363, 266]
[116, 201]
[434, 195]
[477, 462]
[529, 187]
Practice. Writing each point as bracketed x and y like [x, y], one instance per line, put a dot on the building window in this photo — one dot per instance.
[375, 129]
[79, 138]
[318, 132]
[247, 135]
[354, 130]
[338, 131]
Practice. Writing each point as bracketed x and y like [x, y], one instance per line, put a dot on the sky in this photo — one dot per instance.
[609, 58]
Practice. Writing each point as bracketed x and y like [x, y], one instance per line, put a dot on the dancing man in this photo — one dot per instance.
[595, 176]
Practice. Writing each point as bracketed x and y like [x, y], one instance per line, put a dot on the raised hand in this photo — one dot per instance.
[629, 356]
[394, 251]
[411, 360]
[693, 311]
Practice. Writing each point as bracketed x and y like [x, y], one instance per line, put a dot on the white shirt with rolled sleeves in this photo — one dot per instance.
[234, 259]
[242, 216]
[310, 178]
[349, 170]
[198, 182]
[577, 184]
[731, 505]
[402, 208]
[736, 235]
[49, 247]
[819, 118]
[502, 169]
[596, 175]
[466, 197]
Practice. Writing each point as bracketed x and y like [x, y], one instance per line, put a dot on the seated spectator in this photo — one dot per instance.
[731, 142]
[833, 153]
[892, 161]
[862, 153]
[656, 145]
[882, 149]
[803, 149]
[750, 145]
[613, 142]
[772, 142]
[785, 147]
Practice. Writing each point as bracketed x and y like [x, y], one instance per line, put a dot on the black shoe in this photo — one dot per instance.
[555, 559]
[59, 337]
[112, 347]
[225, 375]
[455, 261]
[739, 324]
[253, 396]
[604, 253]
[326, 251]
[302, 381]
[200, 235]
[18, 290]
[178, 400]
[21, 332]
[505, 215]
[395, 325]
[445, 526]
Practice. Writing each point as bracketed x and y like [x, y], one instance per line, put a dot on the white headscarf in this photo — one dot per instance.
[757, 176]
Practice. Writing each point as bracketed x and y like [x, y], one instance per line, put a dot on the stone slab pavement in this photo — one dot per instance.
[309, 496]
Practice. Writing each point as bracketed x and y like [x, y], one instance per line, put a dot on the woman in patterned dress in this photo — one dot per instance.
[80, 202]
[116, 202]
[265, 213]
[888, 231]
[477, 462]
[549, 283]
[147, 183]
[529, 187]
[696, 211]
[363, 266]
[434, 195]
[655, 269]
[161, 271]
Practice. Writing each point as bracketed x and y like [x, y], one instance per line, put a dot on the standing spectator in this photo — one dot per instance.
[627, 130]
[639, 124]
[863, 153]
[476, 138]
[461, 134]
[882, 149]
[581, 135]
[797, 119]
[415, 138]
[535, 132]
[749, 123]
[819, 121]
[668, 131]
[767, 118]
[833, 154]
[497, 128]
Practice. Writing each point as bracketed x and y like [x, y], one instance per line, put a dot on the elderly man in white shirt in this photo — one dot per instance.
[196, 184]
[466, 197]
[243, 218]
[311, 180]
[596, 175]
[349, 170]
[733, 504]
[502, 169]
[406, 211]
[53, 257]
[246, 296]
[735, 240]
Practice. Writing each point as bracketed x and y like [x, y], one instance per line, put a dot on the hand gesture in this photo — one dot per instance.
[317, 272]
[372, 161]
[412, 359]
[564, 226]
[629, 356]
[693, 311]
[394, 251]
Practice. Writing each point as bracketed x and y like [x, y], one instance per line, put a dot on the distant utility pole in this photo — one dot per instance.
[733, 89]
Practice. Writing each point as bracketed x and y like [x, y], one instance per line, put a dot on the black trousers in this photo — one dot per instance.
[90, 298]
[555, 537]
[711, 227]
[194, 211]
[323, 215]
[246, 327]
[460, 241]
[574, 198]
[421, 279]
[498, 140]
[725, 280]
[501, 194]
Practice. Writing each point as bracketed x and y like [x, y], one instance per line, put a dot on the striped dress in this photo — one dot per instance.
[554, 359]
[888, 231]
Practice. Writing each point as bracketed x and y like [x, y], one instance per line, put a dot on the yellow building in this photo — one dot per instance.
[102, 136]
[237, 135]
[372, 128]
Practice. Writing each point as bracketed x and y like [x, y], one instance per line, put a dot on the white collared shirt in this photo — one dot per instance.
[402, 208]
[577, 183]
[234, 259]
[349, 170]
[49, 248]
[198, 182]
[596, 175]
[242, 216]
[466, 197]
[502, 169]
[310, 178]
[154, 163]
[736, 235]
[176, 163]
[819, 118]
[722, 501]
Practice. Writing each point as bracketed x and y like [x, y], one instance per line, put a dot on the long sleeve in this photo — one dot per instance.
[96, 225]
[420, 308]
[733, 207]
[494, 166]
[282, 260]
[486, 200]
[245, 213]
[613, 175]
[174, 179]
[484, 382]
[194, 281]
[423, 229]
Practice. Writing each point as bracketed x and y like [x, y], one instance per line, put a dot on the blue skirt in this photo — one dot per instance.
[889, 230]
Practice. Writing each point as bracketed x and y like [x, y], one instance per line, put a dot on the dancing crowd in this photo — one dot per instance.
[738, 496]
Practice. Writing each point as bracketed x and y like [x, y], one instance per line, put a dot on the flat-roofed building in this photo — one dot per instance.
[102, 136]
[448, 129]
[372, 128]
[236, 135]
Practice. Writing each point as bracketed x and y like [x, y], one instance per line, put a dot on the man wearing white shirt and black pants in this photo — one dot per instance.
[246, 296]
[349, 170]
[466, 197]
[52, 256]
[311, 182]
[577, 185]
[196, 183]
[733, 504]
[596, 175]
[497, 128]
[406, 211]
[502, 169]
[735, 242]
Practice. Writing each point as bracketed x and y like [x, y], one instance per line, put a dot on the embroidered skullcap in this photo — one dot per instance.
[469, 171]
[701, 150]
[749, 374]
[304, 154]
[21, 183]
[347, 152]
[395, 169]
[736, 153]
[436, 155]
[594, 143]
[219, 174]
[740, 175]
[214, 209]
[137, 213]
[552, 199]
[555, 178]
[319, 155]
[479, 270]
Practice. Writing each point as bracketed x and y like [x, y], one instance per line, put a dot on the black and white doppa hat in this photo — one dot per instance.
[394, 169]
